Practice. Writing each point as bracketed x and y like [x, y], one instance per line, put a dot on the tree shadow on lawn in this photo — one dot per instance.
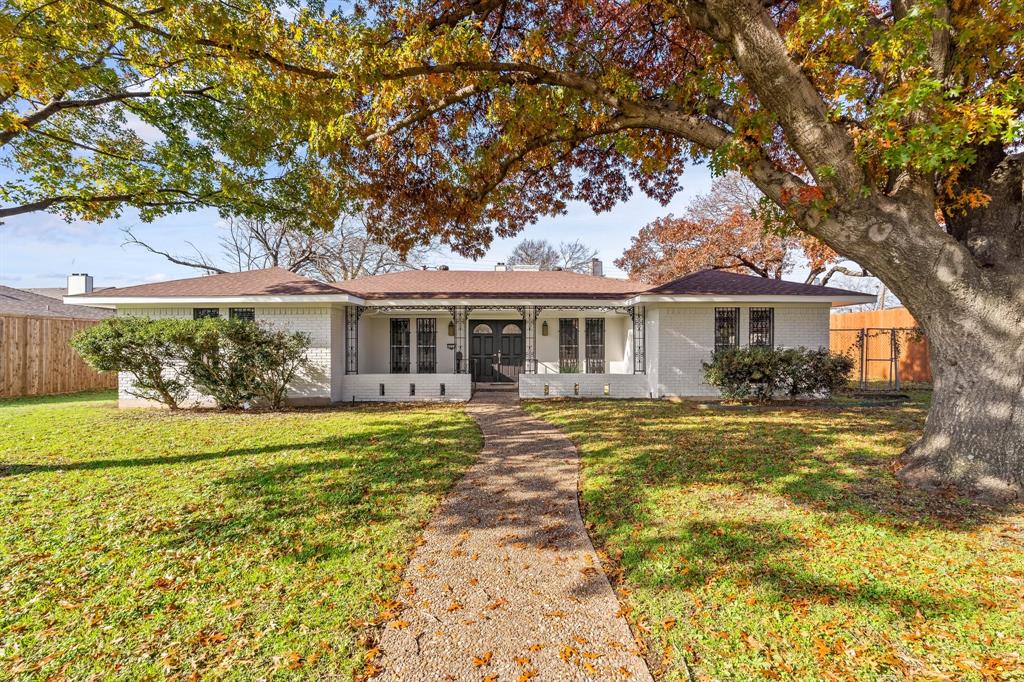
[325, 445]
[766, 555]
[340, 484]
[835, 461]
[729, 486]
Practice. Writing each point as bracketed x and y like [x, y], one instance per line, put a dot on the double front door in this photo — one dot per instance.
[496, 350]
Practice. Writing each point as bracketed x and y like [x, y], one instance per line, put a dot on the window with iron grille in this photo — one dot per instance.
[727, 328]
[762, 327]
[595, 345]
[400, 346]
[568, 345]
[426, 345]
[248, 314]
[203, 313]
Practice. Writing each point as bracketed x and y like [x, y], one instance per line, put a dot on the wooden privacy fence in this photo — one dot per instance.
[37, 359]
[885, 345]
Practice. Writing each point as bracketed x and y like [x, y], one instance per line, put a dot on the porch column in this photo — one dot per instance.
[352, 315]
[530, 331]
[638, 315]
[460, 316]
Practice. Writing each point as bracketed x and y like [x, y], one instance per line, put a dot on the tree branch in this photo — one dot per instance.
[26, 123]
[202, 264]
[50, 202]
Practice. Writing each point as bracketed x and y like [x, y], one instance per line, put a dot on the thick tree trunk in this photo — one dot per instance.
[965, 286]
[974, 436]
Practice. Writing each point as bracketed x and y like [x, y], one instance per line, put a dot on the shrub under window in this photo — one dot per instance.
[760, 372]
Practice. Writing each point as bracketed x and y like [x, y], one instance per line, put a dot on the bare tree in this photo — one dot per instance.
[573, 256]
[868, 285]
[343, 253]
[537, 252]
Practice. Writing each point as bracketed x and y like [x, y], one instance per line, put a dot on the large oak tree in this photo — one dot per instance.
[889, 131]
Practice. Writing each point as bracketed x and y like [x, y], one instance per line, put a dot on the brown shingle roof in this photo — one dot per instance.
[267, 282]
[440, 284]
[487, 284]
[21, 302]
[718, 282]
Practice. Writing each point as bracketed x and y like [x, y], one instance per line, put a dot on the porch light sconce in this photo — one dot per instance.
[451, 329]
[544, 328]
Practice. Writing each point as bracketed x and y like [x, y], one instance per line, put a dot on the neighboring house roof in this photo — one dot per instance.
[21, 302]
[266, 282]
[57, 292]
[488, 284]
[466, 284]
[721, 283]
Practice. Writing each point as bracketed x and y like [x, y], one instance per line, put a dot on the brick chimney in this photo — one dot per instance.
[596, 269]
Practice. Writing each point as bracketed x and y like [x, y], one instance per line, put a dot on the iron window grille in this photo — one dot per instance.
[352, 315]
[639, 316]
[247, 314]
[400, 346]
[727, 328]
[762, 327]
[426, 345]
[568, 345]
[203, 313]
[595, 345]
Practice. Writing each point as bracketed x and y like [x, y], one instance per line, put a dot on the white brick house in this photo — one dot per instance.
[439, 334]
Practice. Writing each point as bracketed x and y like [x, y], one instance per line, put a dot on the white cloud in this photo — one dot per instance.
[156, 277]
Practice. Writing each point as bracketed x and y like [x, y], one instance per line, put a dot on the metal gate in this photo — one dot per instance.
[875, 352]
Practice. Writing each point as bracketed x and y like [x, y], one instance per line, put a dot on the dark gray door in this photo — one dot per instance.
[496, 350]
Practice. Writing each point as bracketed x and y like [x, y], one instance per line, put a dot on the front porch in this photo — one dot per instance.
[442, 352]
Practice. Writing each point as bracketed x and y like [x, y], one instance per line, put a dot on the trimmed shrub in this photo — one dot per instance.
[758, 373]
[814, 372]
[237, 362]
[141, 347]
[280, 357]
[742, 373]
[218, 356]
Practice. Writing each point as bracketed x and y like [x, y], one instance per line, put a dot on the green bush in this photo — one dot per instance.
[758, 373]
[742, 373]
[143, 348]
[235, 362]
[281, 355]
[814, 372]
[218, 357]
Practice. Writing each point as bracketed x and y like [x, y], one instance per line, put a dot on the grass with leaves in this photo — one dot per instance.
[145, 544]
[776, 543]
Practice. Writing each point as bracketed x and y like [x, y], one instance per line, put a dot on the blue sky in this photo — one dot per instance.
[39, 250]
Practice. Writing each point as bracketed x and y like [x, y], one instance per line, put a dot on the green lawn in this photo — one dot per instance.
[145, 545]
[775, 543]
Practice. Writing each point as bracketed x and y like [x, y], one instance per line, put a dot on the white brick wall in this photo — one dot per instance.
[311, 387]
[590, 385]
[685, 337]
[366, 387]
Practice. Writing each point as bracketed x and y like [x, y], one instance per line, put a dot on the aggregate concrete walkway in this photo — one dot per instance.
[506, 585]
